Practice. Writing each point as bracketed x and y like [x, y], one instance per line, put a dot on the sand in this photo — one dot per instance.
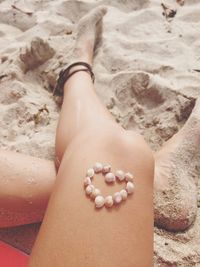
[147, 74]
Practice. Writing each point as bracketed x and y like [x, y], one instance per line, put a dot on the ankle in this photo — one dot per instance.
[71, 70]
[85, 58]
[80, 67]
[83, 55]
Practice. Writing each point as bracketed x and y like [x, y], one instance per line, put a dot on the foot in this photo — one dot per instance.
[176, 172]
[88, 34]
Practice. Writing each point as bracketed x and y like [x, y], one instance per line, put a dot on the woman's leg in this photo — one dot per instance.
[73, 232]
[25, 187]
[176, 175]
[80, 234]
[81, 106]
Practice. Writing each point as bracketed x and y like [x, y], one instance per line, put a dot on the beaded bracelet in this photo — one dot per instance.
[95, 193]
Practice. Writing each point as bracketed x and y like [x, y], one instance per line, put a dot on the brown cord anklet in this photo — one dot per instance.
[64, 75]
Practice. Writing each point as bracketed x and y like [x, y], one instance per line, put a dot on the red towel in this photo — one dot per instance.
[11, 257]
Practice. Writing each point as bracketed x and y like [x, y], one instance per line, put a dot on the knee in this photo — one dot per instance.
[141, 151]
[122, 146]
[174, 212]
[133, 149]
[174, 218]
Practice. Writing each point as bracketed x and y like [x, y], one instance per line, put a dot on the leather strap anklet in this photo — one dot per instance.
[64, 75]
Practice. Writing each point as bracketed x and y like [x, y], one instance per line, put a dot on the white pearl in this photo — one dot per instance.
[120, 175]
[129, 177]
[90, 173]
[99, 201]
[95, 192]
[98, 167]
[87, 181]
[109, 201]
[89, 189]
[123, 194]
[130, 187]
[106, 168]
[117, 198]
[110, 177]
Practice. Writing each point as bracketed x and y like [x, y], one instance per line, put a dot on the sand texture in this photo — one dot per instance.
[147, 74]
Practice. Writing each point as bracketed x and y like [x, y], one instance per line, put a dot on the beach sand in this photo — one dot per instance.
[147, 74]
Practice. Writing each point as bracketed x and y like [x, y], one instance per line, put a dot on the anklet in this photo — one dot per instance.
[95, 193]
[65, 74]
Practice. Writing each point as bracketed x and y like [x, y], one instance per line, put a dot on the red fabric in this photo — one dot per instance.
[11, 257]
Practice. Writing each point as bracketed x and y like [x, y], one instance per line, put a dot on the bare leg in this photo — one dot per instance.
[25, 187]
[72, 228]
[177, 166]
[81, 105]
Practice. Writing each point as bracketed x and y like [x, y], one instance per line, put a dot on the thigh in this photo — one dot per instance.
[82, 235]
[25, 186]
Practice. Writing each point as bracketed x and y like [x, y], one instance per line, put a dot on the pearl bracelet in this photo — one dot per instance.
[110, 177]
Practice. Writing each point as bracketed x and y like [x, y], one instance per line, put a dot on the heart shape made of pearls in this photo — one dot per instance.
[95, 193]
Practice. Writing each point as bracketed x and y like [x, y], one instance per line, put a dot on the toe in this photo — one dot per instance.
[97, 13]
[102, 10]
[92, 18]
